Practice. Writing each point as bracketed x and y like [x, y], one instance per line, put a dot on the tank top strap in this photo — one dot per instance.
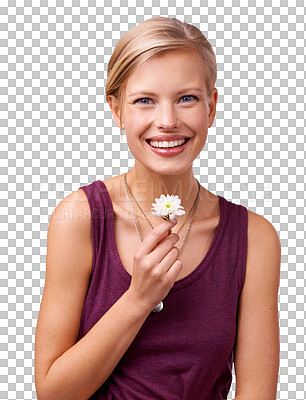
[234, 237]
[96, 194]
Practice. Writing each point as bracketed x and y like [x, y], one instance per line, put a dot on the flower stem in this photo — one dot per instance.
[166, 217]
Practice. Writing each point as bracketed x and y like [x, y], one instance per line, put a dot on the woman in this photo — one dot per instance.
[211, 278]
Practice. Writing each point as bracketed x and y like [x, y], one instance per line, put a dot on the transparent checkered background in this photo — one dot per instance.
[57, 134]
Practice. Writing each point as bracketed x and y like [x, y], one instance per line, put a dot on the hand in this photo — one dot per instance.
[156, 266]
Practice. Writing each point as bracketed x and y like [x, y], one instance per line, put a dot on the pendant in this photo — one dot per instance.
[158, 308]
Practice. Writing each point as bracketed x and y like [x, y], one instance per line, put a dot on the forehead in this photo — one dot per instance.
[170, 69]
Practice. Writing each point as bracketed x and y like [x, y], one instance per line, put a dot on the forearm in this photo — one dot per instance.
[82, 369]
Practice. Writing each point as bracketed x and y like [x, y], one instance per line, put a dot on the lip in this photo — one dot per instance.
[166, 152]
[167, 138]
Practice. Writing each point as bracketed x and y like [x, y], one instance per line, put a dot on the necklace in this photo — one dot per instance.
[140, 234]
[128, 193]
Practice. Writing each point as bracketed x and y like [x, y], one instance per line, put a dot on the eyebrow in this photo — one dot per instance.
[146, 93]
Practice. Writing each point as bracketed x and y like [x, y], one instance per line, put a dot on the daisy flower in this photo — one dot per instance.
[168, 207]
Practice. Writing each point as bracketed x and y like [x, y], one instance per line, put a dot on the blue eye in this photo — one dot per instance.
[194, 97]
[143, 98]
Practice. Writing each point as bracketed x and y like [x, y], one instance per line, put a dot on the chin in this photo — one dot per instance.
[166, 171]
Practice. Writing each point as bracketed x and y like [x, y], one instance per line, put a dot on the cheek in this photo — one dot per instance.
[135, 121]
[197, 116]
[199, 121]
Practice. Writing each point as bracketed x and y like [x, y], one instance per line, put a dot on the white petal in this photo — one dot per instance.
[171, 217]
[168, 205]
[180, 212]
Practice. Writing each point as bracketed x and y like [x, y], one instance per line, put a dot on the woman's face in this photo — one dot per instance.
[167, 96]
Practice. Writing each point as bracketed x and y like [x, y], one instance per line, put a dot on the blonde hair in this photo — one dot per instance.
[148, 39]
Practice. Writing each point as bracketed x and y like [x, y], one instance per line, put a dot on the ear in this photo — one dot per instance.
[212, 106]
[114, 105]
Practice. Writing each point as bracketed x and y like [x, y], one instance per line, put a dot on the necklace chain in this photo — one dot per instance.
[135, 219]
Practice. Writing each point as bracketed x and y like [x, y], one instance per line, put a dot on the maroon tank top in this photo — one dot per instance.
[186, 351]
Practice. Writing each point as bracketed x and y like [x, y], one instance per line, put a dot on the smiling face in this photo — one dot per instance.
[167, 96]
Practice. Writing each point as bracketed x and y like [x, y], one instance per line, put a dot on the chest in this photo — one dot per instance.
[194, 250]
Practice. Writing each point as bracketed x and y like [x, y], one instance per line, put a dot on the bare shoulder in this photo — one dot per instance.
[69, 241]
[263, 254]
[75, 206]
[257, 341]
[262, 238]
[259, 223]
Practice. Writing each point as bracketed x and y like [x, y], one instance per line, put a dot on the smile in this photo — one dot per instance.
[167, 144]
[168, 148]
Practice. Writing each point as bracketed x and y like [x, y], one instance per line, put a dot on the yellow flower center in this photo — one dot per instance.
[168, 205]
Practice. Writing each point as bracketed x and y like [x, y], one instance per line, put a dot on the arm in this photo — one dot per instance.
[64, 368]
[256, 357]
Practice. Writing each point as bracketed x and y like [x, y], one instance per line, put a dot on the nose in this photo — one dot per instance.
[166, 117]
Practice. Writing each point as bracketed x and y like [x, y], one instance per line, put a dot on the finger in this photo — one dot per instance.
[155, 236]
[175, 270]
[167, 261]
[160, 251]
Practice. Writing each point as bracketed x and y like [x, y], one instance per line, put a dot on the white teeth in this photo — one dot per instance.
[166, 144]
